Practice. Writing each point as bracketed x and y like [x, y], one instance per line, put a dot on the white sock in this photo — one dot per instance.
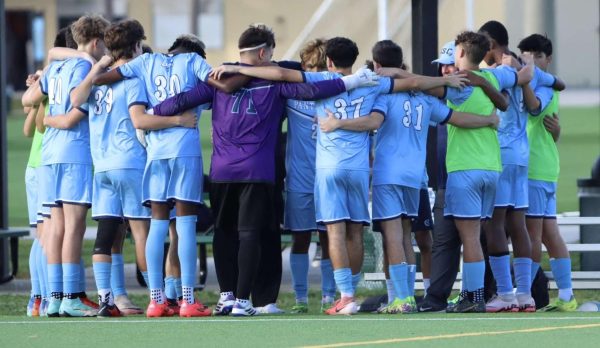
[106, 296]
[391, 293]
[426, 283]
[188, 294]
[157, 295]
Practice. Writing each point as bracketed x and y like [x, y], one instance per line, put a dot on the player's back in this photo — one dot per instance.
[165, 75]
[401, 141]
[112, 135]
[543, 154]
[65, 145]
[301, 146]
[340, 148]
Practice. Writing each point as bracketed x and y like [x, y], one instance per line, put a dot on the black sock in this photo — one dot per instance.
[225, 250]
[248, 261]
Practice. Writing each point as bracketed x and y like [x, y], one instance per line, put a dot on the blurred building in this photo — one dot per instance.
[573, 25]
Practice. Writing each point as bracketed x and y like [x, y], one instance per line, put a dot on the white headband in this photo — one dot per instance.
[253, 48]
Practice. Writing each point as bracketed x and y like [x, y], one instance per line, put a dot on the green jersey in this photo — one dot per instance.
[473, 149]
[35, 154]
[543, 154]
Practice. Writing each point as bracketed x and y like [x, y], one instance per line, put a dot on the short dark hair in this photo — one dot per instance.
[496, 31]
[189, 43]
[147, 49]
[69, 38]
[388, 54]
[121, 38]
[536, 43]
[342, 51]
[256, 35]
[60, 40]
[476, 45]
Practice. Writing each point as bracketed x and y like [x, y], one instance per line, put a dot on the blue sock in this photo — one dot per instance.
[170, 291]
[500, 266]
[45, 273]
[522, 268]
[343, 280]
[399, 277]
[55, 278]
[81, 284]
[102, 274]
[117, 275]
[412, 275]
[41, 267]
[186, 248]
[34, 273]
[155, 248]
[71, 272]
[327, 280]
[178, 287]
[355, 281]
[299, 266]
[474, 272]
[534, 269]
[561, 269]
[145, 276]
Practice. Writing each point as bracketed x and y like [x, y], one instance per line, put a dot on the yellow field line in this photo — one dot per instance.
[439, 337]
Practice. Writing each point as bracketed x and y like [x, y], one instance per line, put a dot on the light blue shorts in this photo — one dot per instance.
[299, 214]
[511, 191]
[32, 189]
[44, 192]
[470, 194]
[68, 183]
[342, 195]
[118, 193]
[173, 179]
[542, 199]
[394, 201]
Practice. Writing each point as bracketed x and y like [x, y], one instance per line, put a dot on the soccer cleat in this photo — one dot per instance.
[126, 307]
[299, 308]
[467, 306]
[326, 303]
[44, 307]
[225, 304]
[107, 311]
[76, 308]
[271, 308]
[453, 302]
[559, 305]
[243, 310]
[33, 307]
[196, 309]
[502, 303]
[86, 301]
[398, 306]
[345, 305]
[426, 307]
[174, 305]
[526, 303]
[53, 307]
[156, 310]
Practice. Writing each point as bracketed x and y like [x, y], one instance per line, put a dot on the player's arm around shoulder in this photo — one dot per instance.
[79, 95]
[361, 124]
[66, 121]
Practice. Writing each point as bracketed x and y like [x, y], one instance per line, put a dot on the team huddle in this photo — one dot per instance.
[115, 129]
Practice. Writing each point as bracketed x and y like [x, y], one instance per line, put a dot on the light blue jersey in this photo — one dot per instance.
[345, 149]
[165, 75]
[301, 146]
[65, 145]
[112, 134]
[512, 131]
[542, 86]
[401, 142]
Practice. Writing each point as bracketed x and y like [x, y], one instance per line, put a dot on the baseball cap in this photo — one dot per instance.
[446, 54]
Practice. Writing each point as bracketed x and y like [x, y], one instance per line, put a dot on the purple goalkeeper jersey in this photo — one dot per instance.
[245, 123]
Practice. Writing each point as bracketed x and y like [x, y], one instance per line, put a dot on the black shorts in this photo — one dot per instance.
[423, 222]
[243, 206]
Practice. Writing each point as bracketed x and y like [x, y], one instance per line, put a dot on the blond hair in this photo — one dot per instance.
[312, 55]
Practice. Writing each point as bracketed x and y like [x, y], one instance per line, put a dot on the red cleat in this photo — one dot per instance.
[156, 310]
[86, 301]
[345, 305]
[196, 309]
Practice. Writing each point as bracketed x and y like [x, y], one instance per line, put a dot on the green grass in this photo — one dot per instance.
[579, 146]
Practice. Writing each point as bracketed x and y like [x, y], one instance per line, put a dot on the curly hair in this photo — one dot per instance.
[89, 27]
[476, 45]
[313, 56]
[189, 43]
[122, 37]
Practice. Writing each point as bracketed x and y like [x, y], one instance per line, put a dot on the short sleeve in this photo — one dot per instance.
[381, 105]
[80, 71]
[506, 76]
[44, 83]
[136, 93]
[542, 78]
[386, 85]
[201, 67]
[134, 68]
[457, 96]
[544, 94]
[312, 77]
[440, 112]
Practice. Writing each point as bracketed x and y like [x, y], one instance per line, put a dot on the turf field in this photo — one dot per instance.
[579, 147]
[516, 330]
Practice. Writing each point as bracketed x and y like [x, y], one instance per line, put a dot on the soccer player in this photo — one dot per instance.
[68, 173]
[543, 131]
[242, 171]
[422, 227]
[173, 173]
[402, 119]
[511, 199]
[299, 215]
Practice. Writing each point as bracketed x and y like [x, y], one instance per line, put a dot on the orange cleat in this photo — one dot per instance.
[345, 305]
[156, 310]
[86, 301]
[196, 309]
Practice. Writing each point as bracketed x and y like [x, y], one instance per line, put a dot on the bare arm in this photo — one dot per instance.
[39, 118]
[467, 120]
[68, 121]
[29, 124]
[229, 84]
[559, 84]
[142, 120]
[552, 125]
[33, 96]
[273, 73]
[532, 103]
[81, 93]
[107, 78]
[427, 82]
[62, 53]
[361, 124]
